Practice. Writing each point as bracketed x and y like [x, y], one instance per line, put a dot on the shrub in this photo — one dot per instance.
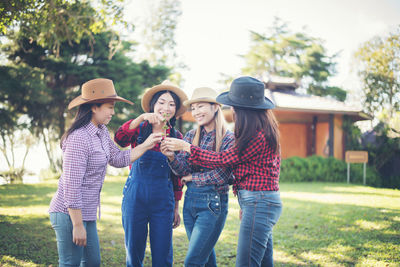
[317, 168]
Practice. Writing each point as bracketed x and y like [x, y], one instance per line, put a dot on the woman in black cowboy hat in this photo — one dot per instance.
[255, 160]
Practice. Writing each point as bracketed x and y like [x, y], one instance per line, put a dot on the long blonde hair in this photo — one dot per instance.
[220, 130]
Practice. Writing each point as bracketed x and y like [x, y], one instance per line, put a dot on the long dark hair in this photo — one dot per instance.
[82, 118]
[248, 122]
[149, 128]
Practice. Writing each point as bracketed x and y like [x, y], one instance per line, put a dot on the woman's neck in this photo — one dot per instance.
[209, 126]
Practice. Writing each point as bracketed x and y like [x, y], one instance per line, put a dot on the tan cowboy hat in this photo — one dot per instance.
[168, 86]
[97, 91]
[202, 94]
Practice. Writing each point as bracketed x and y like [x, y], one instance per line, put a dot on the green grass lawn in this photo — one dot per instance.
[322, 224]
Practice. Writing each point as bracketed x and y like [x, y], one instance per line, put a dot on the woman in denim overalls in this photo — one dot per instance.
[206, 199]
[148, 195]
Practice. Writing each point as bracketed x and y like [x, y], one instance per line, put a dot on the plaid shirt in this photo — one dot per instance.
[219, 176]
[86, 152]
[125, 136]
[257, 169]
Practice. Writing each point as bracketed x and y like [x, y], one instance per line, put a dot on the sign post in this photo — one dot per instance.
[357, 157]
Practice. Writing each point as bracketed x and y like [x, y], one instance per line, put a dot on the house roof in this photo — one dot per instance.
[292, 101]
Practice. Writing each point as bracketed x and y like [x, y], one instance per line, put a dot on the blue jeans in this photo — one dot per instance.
[70, 254]
[260, 212]
[204, 215]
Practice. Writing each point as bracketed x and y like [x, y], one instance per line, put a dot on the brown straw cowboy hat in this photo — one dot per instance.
[97, 91]
[202, 94]
[165, 86]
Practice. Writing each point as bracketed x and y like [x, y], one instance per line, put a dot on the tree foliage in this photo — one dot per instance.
[285, 53]
[52, 22]
[42, 75]
[379, 60]
[159, 32]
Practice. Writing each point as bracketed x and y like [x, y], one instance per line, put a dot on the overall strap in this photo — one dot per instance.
[140, 138]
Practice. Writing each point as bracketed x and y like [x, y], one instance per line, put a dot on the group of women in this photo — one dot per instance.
[207, 160]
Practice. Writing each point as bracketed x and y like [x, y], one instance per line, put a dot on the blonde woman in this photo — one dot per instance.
[206, 198]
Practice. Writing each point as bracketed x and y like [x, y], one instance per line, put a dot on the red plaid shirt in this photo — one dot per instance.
[257, 169]
[125, 136]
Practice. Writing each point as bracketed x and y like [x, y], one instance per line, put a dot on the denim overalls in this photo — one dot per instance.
[148, 200]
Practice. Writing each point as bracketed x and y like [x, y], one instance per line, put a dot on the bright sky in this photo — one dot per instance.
[212, 33]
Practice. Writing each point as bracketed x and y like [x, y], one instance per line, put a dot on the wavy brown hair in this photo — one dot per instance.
[248, 122]
[82, 118]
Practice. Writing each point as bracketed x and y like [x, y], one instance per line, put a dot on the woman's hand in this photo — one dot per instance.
[174, 144]
[177, 217]
[168, 153]
[152, 140]
[152, 118]
[186, 179]
[79, 235]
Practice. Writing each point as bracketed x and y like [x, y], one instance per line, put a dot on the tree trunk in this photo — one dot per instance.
[47, 145]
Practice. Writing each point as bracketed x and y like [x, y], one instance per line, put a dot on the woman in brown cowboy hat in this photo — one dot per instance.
[255, 160]
[149, 199]
[87, 149]
[206, 198]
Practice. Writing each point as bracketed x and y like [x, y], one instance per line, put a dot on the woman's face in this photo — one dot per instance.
[103, 114]
[203, 113]
[165, 106]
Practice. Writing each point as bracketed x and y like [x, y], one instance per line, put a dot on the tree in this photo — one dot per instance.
[159, 32]
[379, 60]
[52, 22]
[298, 55]
[46, 84]
[159, 45]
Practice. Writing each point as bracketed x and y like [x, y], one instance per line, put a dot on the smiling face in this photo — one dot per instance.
[165, 106]
[204, 114]
[103, 114]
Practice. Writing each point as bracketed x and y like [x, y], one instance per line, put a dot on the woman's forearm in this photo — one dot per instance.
[76, 217]
[136, 122]
[137, 152]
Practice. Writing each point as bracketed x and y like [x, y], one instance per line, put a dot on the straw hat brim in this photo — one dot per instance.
[77, 101]
[187, 103]
[148, 95]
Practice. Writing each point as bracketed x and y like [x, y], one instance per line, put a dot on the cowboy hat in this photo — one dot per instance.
[165, 86]
[202, 94]
[97, 91]
[246, 92]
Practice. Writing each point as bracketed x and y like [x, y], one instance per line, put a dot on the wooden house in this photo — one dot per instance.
[308, 124]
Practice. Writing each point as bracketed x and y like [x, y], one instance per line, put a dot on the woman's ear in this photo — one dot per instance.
[94, 108]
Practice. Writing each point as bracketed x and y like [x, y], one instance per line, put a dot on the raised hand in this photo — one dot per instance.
[152, 118]
[170, 154]
[152, 140]
[174, 144]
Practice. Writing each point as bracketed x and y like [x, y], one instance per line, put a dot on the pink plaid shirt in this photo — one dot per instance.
[86, 153]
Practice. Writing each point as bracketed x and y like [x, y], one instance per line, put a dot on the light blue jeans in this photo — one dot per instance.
[204, 215]
[70, 254]
[260, 212]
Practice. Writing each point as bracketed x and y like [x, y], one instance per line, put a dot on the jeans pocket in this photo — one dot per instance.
[53, 219]
[214, 206]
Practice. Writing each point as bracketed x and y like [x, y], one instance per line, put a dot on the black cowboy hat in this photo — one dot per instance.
[246, 92]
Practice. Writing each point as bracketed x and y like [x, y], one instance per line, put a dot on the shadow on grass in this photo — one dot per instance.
[26, 194]
[28, 239]
[309, 233]
[339, 234]
[338, 188]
